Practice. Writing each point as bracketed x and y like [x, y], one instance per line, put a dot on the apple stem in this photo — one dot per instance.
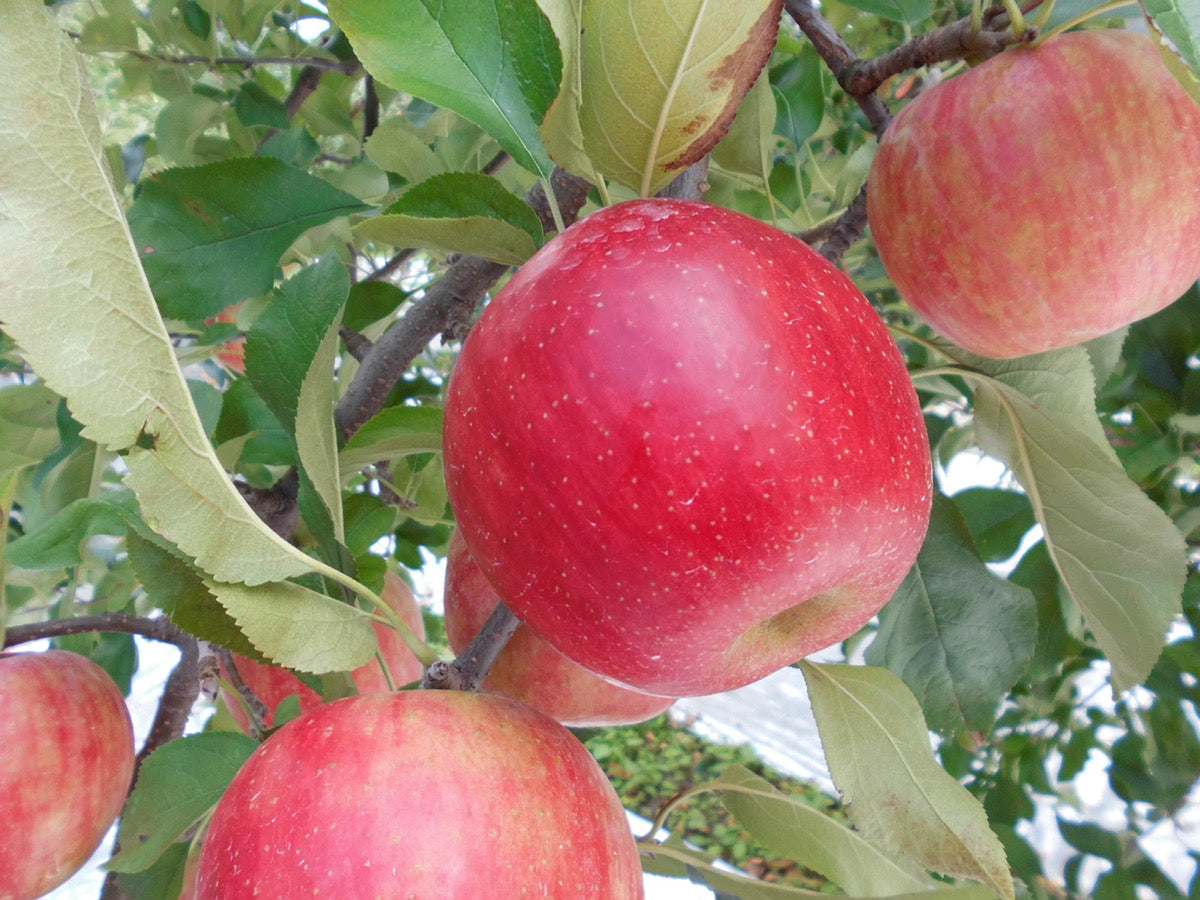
[466, 673]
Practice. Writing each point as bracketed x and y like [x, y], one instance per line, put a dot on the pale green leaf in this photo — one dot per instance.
[28, 428]
[561, 129]
[73, 296]
[807, 836]
[1122, 560]
[1177, 24]
[459, 212]
[880, 757]
[749, 145]
[494, 63]
[663, 79]
[316, 435]
[488, 238]
[395, 147]
[674, 858]
[299, 628]
[396, 432]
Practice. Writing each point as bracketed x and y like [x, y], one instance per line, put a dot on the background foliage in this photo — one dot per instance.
[343, 192]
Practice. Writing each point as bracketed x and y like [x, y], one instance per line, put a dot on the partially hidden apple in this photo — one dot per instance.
[1046, 197]
[430, 795]
[272, 684]
[685, 450]
[66, 763]
[529, 669]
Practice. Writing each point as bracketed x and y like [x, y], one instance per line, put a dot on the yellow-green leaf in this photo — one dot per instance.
[74, 298]
[661, 81]
[880, 757]
[299, 628]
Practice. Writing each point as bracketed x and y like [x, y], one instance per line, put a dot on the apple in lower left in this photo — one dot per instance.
[66, 763]
[529, 669]
[272, 684]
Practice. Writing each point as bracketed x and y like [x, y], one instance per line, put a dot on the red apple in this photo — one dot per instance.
[272, 684]
[529, 669]
[684, 449]
[66, 763]
[420, 794]
[233, 354]
[1046, 197]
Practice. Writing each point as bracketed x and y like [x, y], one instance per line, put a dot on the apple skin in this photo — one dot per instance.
[1046, 197]
[529, 669]
[420, 794]
[66, 763]
[272, 684]
[685, 450]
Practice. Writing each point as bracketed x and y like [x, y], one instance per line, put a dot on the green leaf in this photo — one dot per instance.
[459, 212]
[58, 542]
[211, 236]
[1120, 557]
[494, 63]
[929, 631]
[798, 84]
[897, 795]
[998, 519]
[1178, 23]
[299, 628]
[662, 81]
[290, 357]
[176, 786]
[395, 432]
[809, 837]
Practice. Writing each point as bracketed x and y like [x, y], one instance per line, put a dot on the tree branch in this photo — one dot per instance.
[471, 666]
[345, 66]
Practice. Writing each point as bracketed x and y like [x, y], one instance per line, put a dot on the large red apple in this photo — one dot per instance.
[272, 684]
[420, 794]
[66, 763]
[529, 669]
[684, 449]
[1046, 197]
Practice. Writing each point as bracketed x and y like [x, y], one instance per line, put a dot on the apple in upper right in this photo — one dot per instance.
[529, 669]
[1046, 197]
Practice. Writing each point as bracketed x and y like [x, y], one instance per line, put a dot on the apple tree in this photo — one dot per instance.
[676, 325]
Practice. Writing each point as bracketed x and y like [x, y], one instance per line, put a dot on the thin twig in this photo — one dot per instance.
[345, 66]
